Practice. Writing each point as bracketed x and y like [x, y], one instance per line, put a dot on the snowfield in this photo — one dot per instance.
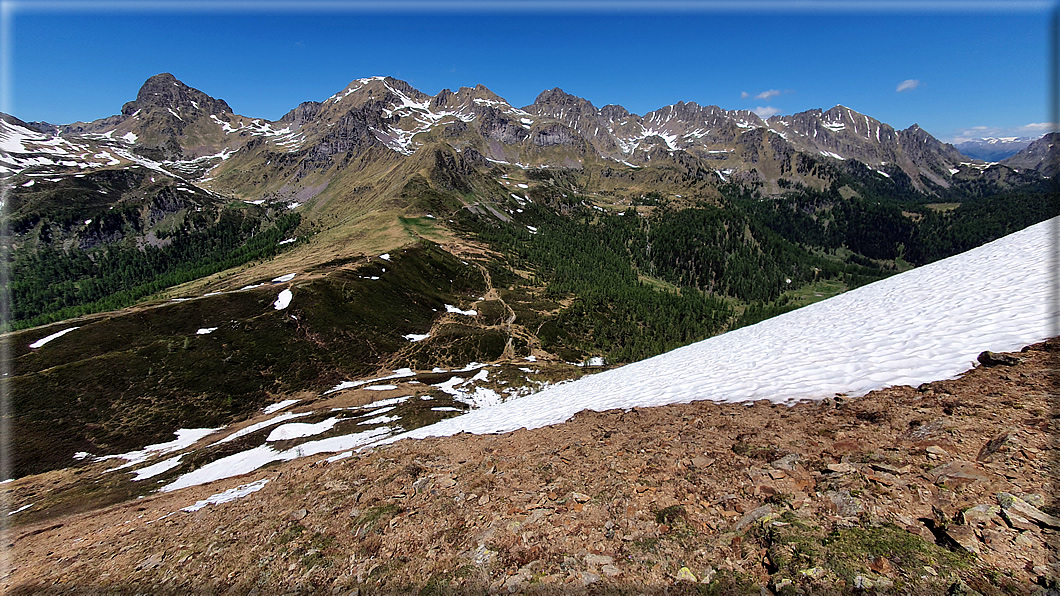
[923, 325]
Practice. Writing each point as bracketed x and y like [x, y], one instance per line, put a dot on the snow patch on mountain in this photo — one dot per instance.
[919, 326]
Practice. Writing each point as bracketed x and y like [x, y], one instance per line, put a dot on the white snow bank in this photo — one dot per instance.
[206, 330]
[186, 437]
[451, 308]
[297, 430]
[252, 459]
[283, 300]
[398, 374]
[40, 342]
[276, 407]
[391, 401]
[922, 325]
[155, 469]
[263, 424]
[229, 495]
[284, 278]
[416, 337]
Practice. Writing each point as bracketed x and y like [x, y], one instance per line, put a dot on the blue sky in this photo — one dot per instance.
[957, 69]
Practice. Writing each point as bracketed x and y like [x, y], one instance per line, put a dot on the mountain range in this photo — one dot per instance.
[213, 263]
[185, 131]
[993, 148]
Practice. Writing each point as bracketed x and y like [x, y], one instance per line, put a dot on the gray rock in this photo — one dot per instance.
[965, 537]
[989, 358]
[422, 484]
[1003, 442]
[845, 505]
[598, 560]
[1016, 507]
[752, 516]
[587, 578]
[786, 463]
[610, 570]
[959, 470]
[980, 514]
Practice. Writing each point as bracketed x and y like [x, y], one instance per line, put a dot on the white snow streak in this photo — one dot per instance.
[40, 342]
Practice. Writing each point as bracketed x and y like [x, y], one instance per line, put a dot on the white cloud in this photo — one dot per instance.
[766, 112]
[765, 95]
[744, 95]
[1034, 129]
[1038, 127]
[908, 85]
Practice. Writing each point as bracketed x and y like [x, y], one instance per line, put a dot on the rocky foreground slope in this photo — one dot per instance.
[943, 488]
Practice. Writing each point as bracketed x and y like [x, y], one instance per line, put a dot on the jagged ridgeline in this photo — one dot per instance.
[571, 232]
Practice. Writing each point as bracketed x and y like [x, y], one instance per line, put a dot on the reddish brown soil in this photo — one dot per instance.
[646, 500]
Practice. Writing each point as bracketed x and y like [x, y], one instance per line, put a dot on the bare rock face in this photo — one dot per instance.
[165, 91]
[1042, 155]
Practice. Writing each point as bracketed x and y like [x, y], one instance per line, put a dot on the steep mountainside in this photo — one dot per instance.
[948, 487]
[1042, 156]
[186, 243]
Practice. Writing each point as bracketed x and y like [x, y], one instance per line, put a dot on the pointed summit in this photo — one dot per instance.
[559, 97]
[165, 91]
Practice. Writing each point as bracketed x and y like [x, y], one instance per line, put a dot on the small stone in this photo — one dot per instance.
[702, 461]
[989, 358]
[684, 574]
[483, 499]
[592, 560]
[960, 471]
[930, 571]
[889, 468]
[840, 468]
[297, 515]
[151, 562]
[863, 583]
[936, 450]
[781, 584]
[813, 572]
[1015, 507]
[355, 512]
[580, 497]
[965, 537]
[445, 482]
[587, 578]
[610, 570]
[1025, 540]
[786, 463]
[421, 484]
[753, 516]
[980, 514]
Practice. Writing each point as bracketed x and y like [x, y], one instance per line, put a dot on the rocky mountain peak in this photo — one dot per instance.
[614, 112]
[557, 97]
[165, 91]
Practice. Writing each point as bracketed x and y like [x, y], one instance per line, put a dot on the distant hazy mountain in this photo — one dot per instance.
[1040, 155]
[993, 148]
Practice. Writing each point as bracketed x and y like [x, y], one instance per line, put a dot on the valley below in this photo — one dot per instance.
[946, 487]
[234, 341]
